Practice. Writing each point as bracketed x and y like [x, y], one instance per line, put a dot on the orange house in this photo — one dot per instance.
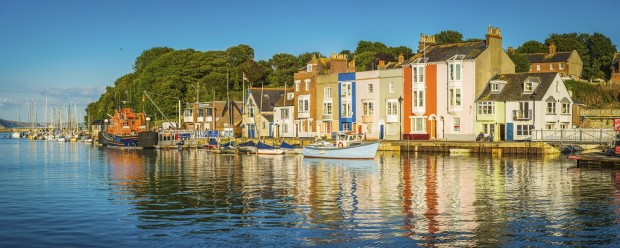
[419, 101]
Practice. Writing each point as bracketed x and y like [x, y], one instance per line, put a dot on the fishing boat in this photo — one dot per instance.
[290, 149]
[15, 135]
[264, 149]
[347, 146]
[127, 129]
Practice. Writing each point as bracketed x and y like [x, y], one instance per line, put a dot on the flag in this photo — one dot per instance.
[245, 78]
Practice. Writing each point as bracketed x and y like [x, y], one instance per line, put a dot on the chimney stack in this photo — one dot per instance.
[425, 41]
[552, 48]
[401, 59]
[493, 34]
[511, 50]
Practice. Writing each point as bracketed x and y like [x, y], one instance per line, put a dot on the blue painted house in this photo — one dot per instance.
[346, 101]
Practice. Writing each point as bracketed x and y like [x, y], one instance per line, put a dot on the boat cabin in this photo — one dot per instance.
[126, 122]
[348, 139]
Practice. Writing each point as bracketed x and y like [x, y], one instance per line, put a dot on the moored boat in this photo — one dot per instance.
[127, 129]
[264, 149]
[348, 146]
[247, 147]
[290, 149]
[15, 135]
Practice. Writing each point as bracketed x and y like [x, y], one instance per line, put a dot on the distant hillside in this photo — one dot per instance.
[7, 124]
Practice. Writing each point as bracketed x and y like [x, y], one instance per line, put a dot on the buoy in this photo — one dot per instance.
[340, 144]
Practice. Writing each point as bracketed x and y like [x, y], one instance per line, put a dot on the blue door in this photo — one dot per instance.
[381, 132]
[509, 131]
[251, 131]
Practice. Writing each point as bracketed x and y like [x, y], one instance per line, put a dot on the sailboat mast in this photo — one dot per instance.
[228, 99]
[45, 123]
[17, 102]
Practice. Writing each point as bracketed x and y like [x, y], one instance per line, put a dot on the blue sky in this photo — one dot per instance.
[75, 48]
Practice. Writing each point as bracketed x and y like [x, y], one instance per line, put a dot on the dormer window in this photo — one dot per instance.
[528, 87]
[530, 84]
[494, 87]
[309, 68]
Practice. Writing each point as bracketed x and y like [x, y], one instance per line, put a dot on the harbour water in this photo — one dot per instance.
[76, 195]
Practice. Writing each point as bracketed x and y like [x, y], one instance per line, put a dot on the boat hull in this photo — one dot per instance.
[118, 141]
[269, 151]
[246, 149]
[363, 151]
[15, 135]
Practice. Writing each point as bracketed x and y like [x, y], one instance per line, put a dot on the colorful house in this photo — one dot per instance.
[327, 104]
[367, 91]
[512, 105]
[260, 104]
[306, 115]
[283, 118]
[390, 102]
[441, 84]
[347, 102]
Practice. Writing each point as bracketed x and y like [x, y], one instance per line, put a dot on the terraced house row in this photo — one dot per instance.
[443, 92]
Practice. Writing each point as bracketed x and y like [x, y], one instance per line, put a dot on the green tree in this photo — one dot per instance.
[365, 61]
[283, 66]
[601, 51]
[520, 60]
[448, 36]
[148, 56]
[573, 41]
[532, 46]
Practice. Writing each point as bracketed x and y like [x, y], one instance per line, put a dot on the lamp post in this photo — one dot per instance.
[400, 116]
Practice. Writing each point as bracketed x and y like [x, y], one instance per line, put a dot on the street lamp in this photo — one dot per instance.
[400, 115]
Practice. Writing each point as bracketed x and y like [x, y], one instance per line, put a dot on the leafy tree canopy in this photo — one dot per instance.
[532, 46]
[521, 62]
[448, 36]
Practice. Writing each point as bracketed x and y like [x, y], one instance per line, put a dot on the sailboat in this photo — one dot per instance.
[264, 149]
[15, 135]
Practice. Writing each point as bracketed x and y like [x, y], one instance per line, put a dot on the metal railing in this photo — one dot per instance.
[575, 136]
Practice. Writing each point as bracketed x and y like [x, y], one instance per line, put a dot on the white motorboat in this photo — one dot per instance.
[348, 146]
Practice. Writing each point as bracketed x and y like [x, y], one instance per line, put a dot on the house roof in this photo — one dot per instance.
[548, 58]
[513, 90]
[436, 53]
[616, 59]
[269, 97]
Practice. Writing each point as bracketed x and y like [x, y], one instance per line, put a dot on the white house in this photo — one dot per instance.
[534, 101]
[284, 117]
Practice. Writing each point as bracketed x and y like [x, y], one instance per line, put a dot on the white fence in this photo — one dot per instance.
[577, 136]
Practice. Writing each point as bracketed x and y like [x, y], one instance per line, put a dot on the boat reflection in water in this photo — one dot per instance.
[192, 196]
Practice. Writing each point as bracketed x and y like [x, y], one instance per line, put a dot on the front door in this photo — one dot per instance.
[509, 131]
[433, 129]
[502, 132]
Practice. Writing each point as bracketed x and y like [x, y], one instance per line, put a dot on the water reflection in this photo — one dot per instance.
[413, 198]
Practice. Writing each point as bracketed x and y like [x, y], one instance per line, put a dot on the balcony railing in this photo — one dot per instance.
[519, 115]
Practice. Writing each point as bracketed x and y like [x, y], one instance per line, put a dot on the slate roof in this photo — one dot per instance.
[269, 98]
[548, 58]
[513, 90]
[436, 53]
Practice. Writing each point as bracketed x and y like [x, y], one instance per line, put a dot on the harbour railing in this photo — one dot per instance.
[575, 136]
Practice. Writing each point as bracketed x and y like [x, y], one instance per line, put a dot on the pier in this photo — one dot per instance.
[598, 160]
